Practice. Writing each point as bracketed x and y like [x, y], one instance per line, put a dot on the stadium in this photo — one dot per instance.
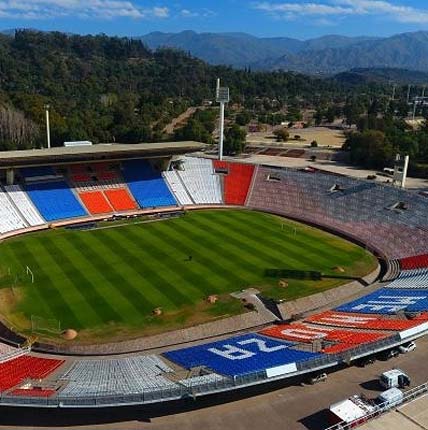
[141, 274]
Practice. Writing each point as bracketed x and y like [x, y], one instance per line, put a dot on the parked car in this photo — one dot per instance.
[321, 377]
[315, 378]
[407, 347]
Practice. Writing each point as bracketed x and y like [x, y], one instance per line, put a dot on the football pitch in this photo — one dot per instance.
[106, 282]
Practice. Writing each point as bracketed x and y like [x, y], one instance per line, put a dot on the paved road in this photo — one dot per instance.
[288, 408]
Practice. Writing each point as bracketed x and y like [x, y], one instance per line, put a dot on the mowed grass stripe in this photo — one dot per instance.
[231, 253]
[130, 265]
[49, 290]
[117, 289]
[171, 256]
[312, 246]
[138, 267]
[265, 251]
[156, 269]
[209, 257]
[138, 287]
[151, 283]
[201, 268]
[81, 281]
[291, 246]
[205, 257]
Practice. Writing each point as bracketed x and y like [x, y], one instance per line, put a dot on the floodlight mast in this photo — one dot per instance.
[222, 97]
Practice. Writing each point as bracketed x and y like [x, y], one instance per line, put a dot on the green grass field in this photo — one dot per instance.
[105, 283]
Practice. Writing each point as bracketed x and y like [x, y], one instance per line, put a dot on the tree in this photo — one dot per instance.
[314, 144]
[243, 118]
[281, 134]
[370, 148]
[235, 140]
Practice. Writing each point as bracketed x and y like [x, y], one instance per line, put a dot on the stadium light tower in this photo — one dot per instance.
[48, 127]
[222, 97]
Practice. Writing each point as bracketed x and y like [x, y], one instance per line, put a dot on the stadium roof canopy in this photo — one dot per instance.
[100, 152]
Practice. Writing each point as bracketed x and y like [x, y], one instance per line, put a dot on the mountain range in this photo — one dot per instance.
[325, 55]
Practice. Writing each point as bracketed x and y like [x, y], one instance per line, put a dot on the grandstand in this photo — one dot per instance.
[69, 186]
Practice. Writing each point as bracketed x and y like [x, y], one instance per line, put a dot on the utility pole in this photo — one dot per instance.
[408, 93]
[48, 128]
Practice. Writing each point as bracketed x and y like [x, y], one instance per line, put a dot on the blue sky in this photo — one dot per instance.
[295, 18]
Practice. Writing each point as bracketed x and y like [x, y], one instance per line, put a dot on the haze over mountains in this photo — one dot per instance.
[324, 55]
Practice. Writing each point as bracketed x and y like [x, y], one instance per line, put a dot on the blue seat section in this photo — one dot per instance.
[31, 172]
[54, 200]
[239, 355]
[389, 301]
[146, 184]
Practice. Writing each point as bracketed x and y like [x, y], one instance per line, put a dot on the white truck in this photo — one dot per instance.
[394, 378]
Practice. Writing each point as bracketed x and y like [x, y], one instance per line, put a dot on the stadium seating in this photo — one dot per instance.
[240, 355]
[95, 202]
[416, 262]
[389, 301]
[236, 182]
[33, 172]
[366, 211]
[362, 321]
[120, 199]
[24, 205]
[417, 279]
[307, 334]
[177, 187]
[15, 371]
[104, 377]
[55, 200]
[297, 332]
[195, 381]
[32, 392]
[146, 184]
[10, 219]
[203, 186]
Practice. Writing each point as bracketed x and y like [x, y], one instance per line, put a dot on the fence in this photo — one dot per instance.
[182, 392]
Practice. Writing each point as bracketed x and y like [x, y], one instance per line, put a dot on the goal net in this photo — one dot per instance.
[49, 325]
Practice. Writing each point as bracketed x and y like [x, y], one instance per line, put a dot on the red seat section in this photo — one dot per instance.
[339, 347]
[367, 322]
[15, 371]
[120, 199]
[95, 202]
[32, 392]
[305, 333]
[236, 182]
[417, 262]
[81, 177]
[297, 332]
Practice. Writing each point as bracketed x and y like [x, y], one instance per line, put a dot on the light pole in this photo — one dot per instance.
[222, 97]
[48, 128]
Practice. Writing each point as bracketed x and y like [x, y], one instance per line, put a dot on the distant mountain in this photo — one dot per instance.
[382, 75]
[327, 55]
[402, 51]
[241, 49]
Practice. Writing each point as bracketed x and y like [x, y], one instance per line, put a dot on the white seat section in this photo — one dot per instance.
[200, 180]
[24, 204]
[411, 279]
[10, 219]
[110, 377]
[177, 188]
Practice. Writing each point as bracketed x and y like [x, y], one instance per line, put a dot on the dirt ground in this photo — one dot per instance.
[324, 136]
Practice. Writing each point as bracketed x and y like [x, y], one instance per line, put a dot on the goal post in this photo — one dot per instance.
[40, 324]
[30, 273]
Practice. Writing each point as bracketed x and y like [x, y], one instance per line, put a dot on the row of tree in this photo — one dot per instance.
[108, 89]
